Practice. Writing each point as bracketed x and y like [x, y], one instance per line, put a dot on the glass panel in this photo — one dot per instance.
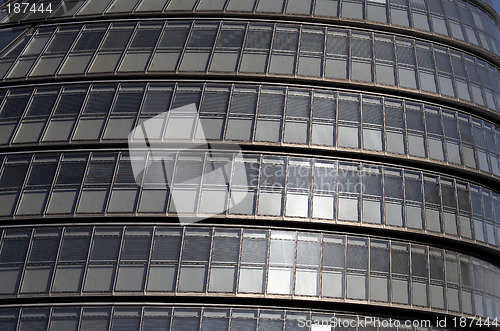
[130, 278]
[279, 281]
[192, 279]
[251, 280]
[68, 278]
[222, 279]
[162, 278]
[99, 278]
[36, 280]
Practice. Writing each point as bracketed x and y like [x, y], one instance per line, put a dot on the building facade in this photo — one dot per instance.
[363, 191]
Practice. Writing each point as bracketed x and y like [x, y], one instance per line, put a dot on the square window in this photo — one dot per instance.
[306, 282]
[393, 214]
[399, 17]
[385, 74]
[437, 296]
[194, 61]
[336, 68]
[183, 201]
[282, 64]
[323, 134]
[153, 201]
[427, 82]
[407, 78]
[395, 142]
[432, 219]
[239, 129]
[122, 201]
[414, 217]
[164, 61]
[88, 129]
[224, 62]
[105, 63]
[356, 286]
[352, 10]
[310, 66]
[400, 291]
[348, 137]
[251, 280]
[29, 132]
[323, 207]
[361, 71]
[279, 281]
[371, 212]
[92, 201]
[99, 278]
[162, 278]
[62, 202]
[36, 280]
[130, 278]
[270, 203]
[245, 202]
[416, 145]
[419, 294]
[268, 130]
[297, 205]
[372, 139]
[253, 62]
[75, 64]
[446, 86]
[209, 128]
[133, 62]
[213, 201]
[7, 203]
[59, 130]
[9, 278]
[192, 279]
[326, 8]
[296, 132]
[222, 279]
[348, 209]
[332, 284]
[32, 203]
[379, 289]
[46, 66]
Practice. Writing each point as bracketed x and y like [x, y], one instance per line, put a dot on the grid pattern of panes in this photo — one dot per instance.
[245, 113]
[289, 188]
[455, 19]
[182, 318]
[247, 48]
[210, 261]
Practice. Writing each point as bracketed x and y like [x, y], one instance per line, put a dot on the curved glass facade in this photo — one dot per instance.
[258, 114]
[341, 159]
[180, 318]
[232, 47]
[336, 191]
[204, 261]
[454, 19]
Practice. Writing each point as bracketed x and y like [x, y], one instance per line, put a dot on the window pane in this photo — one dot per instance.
[68, 279]
[130, 278]
[192, 279]
[251, 280]
[222, 279]
[36, 280]
[99, 278]
[279, 281]
[162, 278]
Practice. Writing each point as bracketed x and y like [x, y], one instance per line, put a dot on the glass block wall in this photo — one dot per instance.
[364, 186]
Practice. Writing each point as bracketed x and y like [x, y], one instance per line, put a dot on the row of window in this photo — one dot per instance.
[267, 186]
[186, 318]
[231, 260]
[207, 46]
[454, 18]
[267, 114]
